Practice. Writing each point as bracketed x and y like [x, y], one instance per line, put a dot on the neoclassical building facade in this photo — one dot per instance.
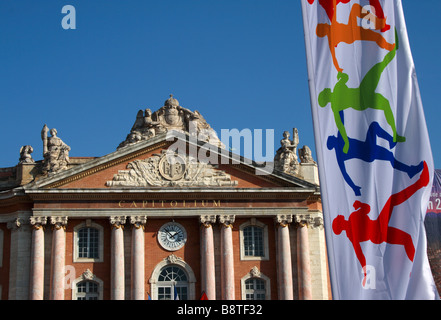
[171, 213]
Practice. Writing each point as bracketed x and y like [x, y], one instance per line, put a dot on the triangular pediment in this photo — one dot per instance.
[152, 164]
[171, 169]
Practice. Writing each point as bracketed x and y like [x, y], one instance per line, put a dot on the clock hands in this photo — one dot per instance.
[171, 235]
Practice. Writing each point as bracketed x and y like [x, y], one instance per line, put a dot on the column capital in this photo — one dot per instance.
[207, 220]
[308, 220]
[227, 220]
[117, 221]
[59, 222]
[317, 222]
[38, 222]
[283, 219]
[138, 221]
[16, 224]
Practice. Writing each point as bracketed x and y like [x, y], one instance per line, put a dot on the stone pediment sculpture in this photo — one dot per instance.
[171, 116]
[55, 152]
[170, 169]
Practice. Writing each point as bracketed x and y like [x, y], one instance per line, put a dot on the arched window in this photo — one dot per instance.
[87, 290]
[162, 274]
[172, 283]
[87, 286]
[255, 286]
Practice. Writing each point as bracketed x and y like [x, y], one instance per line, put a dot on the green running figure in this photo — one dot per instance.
[360, 98]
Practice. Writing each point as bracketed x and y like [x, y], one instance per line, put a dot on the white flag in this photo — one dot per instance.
[373, 149]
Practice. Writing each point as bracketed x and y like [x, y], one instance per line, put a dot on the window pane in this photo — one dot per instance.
[172, 273]
[164, 293]
[253, 241]
[255, 289]
[88, 243]
[170, 278]
[87, 290]
[182, 293]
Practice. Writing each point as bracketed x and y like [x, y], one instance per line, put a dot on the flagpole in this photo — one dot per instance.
[316, 128]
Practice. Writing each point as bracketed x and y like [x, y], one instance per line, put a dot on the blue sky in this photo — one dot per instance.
[240, 63]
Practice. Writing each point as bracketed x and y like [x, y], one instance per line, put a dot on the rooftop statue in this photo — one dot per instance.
[171, 116]
[305, 155]
[25, 154]
[286, 159]
[55, 152]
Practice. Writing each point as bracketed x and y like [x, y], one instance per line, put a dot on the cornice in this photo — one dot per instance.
[172, 193]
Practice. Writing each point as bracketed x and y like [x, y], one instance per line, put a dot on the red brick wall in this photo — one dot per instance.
[100, 269]
[154, 254]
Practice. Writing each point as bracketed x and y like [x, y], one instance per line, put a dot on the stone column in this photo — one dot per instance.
[227, 258]
[303, 258]
[138, 257]
[284, 257]
[20, 258]
[58, 257]
[207, 256]
[117, 258]
[37, 259]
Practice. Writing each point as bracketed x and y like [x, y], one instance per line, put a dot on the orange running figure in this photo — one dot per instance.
[331, 5]
[349, 33]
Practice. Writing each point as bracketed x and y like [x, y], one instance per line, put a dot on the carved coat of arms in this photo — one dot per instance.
[170, 169]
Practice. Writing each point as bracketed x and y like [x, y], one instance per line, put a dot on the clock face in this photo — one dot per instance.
[172, 236]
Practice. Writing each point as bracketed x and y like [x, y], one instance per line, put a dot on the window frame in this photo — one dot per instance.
[76, 250]
[173, 260]
[87, 294]
[172, 284]
[87, 276]
[253, 222]
[255, 275]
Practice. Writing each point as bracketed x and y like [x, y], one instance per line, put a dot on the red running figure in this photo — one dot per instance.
[359, 227]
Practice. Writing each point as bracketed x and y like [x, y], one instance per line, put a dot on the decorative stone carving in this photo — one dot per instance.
[227, 220]
[207, 220]
[171, 116]
[117, 221]
[304, 220]
[170, 169]
[173, 259]
[305, 155]
[25, 154]
[59, 222]
[55, 152]
[15, 224]
[318, 223]
[38, 222]
[283, 219]
[87, 275]
[138, 221]
[255, 272]
[286, 159]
